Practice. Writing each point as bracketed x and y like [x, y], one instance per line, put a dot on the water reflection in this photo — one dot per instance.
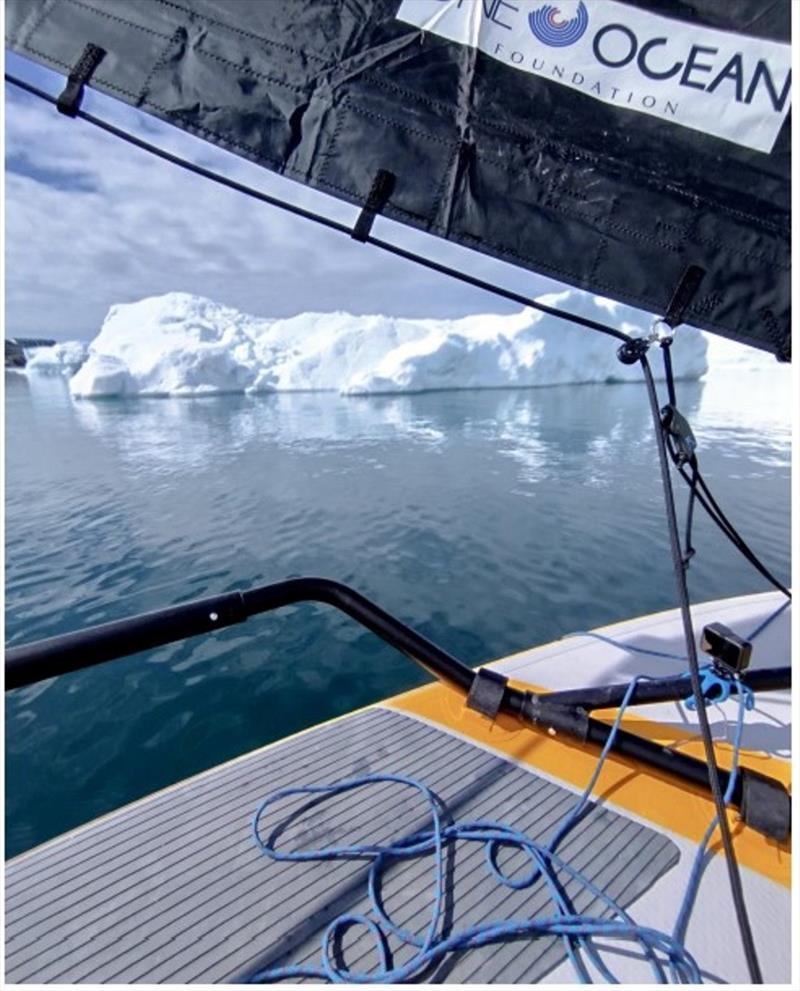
[749, 412]
[536, 427]
[489, 520]
[113, 502]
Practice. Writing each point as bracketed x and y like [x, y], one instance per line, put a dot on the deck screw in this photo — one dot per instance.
[213, 617]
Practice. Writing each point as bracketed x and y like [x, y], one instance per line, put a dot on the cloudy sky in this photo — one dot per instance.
[92, 221]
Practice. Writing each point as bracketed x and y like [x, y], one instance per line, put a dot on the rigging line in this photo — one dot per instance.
[742, 547]
[696, 481]
[739, 540]
[631, 648]
[666, 353]
[734, 876]
[721, 521]
[710, 505]
[334, 225]
[765, 623]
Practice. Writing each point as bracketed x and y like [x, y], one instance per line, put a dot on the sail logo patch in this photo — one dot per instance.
[548, 25]
[722, 83]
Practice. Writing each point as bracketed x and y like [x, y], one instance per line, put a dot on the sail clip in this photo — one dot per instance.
[676, 424]
[683, 295]
[382, 188]
[69, 102]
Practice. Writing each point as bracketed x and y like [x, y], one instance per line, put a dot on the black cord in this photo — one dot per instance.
[334, 225]
[705, 498]
[700, 492]
[694, 674]
[708, 501]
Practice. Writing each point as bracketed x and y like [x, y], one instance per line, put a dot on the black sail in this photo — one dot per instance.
[610, 145]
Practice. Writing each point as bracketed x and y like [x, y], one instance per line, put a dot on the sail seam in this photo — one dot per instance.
[641, 235]
[249, 70]
[162, 58]
[114, 17]
[98, 80]
[324, 63]
[46, 9]
[578, 154]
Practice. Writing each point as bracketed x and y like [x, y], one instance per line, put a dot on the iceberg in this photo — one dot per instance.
[64, 358]
[732, 357]
[180, 344]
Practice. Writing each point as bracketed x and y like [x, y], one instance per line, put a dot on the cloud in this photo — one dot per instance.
[92, 221]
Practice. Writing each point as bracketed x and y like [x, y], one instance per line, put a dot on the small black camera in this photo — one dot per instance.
[728, 650]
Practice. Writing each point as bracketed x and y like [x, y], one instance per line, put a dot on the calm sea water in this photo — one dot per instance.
[488, 520]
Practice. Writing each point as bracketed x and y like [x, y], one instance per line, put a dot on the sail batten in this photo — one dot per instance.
[518, 152]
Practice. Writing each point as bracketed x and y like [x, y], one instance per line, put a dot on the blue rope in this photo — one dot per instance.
[664, 952]
[649, 652]
[716, 686]
[624, 646]
[679, 932]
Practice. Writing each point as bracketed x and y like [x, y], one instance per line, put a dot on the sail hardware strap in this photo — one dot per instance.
[669, 375]
[765, 807]
[683, 295]
[382, 189]
[486, 693]
[69, 102]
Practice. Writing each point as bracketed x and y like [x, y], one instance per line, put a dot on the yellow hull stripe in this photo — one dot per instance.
[647, 793]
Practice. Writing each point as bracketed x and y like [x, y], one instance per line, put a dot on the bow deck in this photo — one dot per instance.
[173, 889]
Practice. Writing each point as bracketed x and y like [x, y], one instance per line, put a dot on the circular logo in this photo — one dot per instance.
[548, 26]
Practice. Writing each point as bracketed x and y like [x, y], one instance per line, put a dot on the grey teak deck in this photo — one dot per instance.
[173, 889]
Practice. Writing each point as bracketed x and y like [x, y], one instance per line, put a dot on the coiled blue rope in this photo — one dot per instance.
[667, 957]
[665, 952]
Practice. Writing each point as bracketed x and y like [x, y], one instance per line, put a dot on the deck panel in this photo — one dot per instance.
[173, 889]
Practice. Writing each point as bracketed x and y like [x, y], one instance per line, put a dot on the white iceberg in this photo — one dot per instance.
[730, 356]
[184, 345]
[64, 358]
